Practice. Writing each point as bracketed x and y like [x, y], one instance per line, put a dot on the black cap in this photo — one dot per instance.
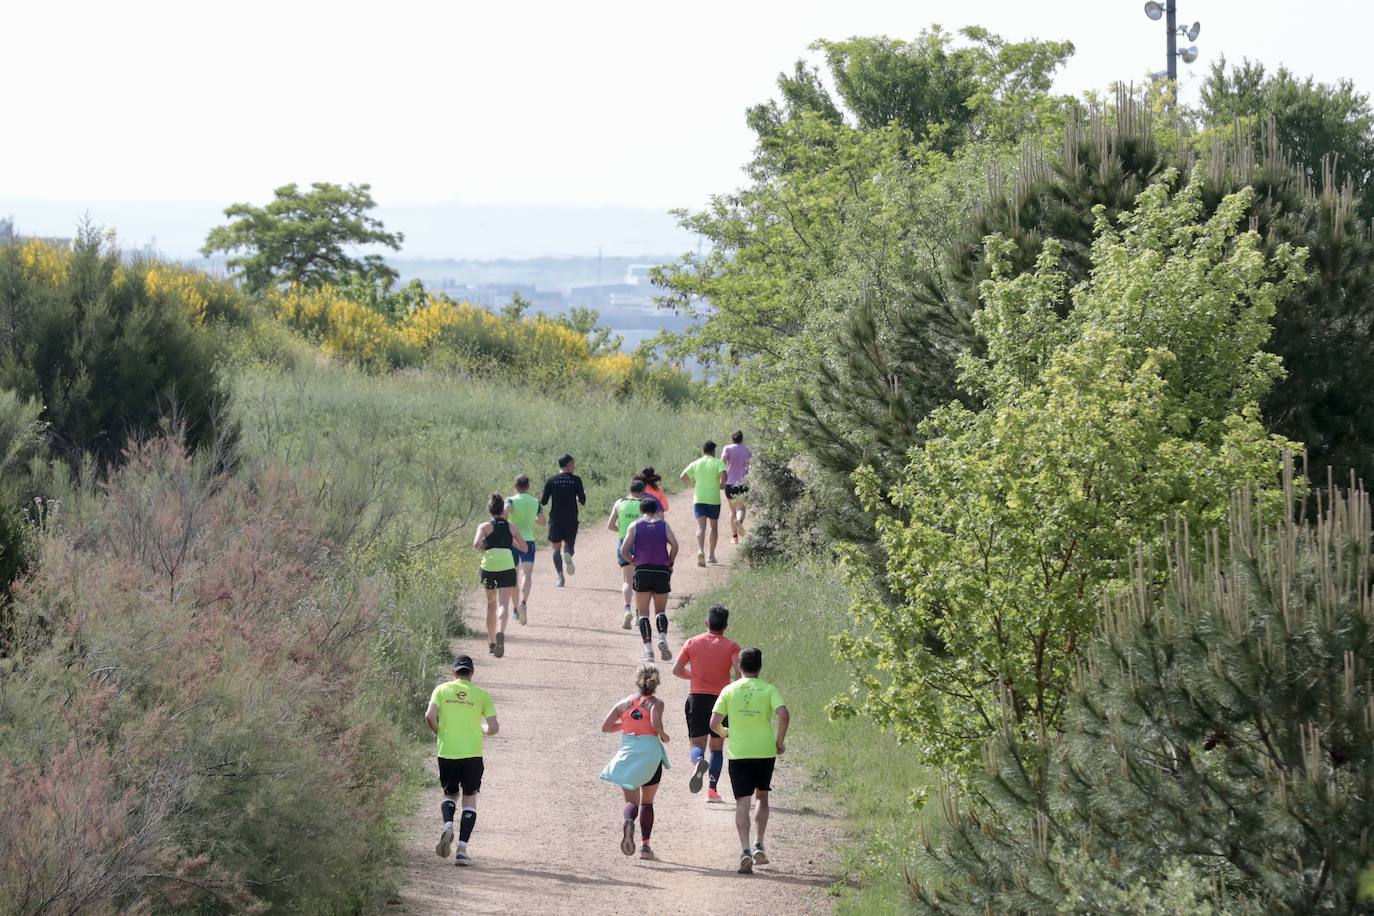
[462, 663]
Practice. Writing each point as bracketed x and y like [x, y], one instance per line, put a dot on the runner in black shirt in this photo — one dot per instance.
[563, 493]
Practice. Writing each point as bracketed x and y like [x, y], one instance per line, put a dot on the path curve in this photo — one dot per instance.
[548, 827]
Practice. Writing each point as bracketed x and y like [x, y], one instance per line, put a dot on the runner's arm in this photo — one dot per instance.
[581, 492]
[672, 543]
[683, 666]
[432, 717]
[656, 720]
[627, 549]
[734, 668]
[612, 723]
[541, 519]
[611, 522]
[518, 539]
[548, 493]
[491, 726]
[784, 720]
[717, 729]
[684, 476]
[478, 539]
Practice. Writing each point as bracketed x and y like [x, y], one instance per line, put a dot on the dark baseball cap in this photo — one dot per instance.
[462, 663]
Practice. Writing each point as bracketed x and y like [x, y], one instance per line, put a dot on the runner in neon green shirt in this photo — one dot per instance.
[625, 513]
[459, 714]
[525, 513]
[744, 713]
[707, 476]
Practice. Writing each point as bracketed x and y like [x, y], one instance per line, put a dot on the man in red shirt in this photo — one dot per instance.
[710, 662]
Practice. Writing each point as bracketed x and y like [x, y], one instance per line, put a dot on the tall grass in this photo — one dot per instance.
[790, 612]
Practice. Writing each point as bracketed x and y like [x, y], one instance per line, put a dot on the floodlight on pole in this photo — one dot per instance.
[1189, 54]
[1168, 10]
[1194, 31]
[1154, 10]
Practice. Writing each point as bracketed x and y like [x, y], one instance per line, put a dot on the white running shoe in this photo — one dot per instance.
[629, 621]
[760, 857]
[568, 562]
[648, 653]
[663, 650]
[746, 863]
[462, 858]
[524, 617]
[712, 560]
[701, 559]
[441, 848]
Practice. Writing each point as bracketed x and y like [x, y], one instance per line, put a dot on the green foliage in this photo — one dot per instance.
[1219, 756]
[1008, 524]
[1321, 125]
[601, 340]
[303, 237]
[110, 349]
[846, 198]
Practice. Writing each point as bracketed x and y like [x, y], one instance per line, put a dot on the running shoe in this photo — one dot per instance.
[524, 617]
[648, 653]
[462, 858]
[713, 797]
[491, 648]
[746, 863]
[568, 562]
[664, 651]
[645, 852]
[441, 848]
[500, 648]
[712, 560]
[698, 776]
[560, 580]
[629, 621]
[760, 857]
[734, 539]
[701, 559]
[515, 612]
[627, 839]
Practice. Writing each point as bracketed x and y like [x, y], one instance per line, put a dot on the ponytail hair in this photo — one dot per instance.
[496, 505]
[647, 678]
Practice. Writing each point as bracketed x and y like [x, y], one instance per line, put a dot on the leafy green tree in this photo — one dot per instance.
[304, 237]
[1100, 423]
[1323, 126]
[1220, 729]
[109, 352]
[844, 196]
[601, 339]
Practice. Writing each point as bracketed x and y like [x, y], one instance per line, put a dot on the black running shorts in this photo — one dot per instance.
[753, 774]
[564, 532]
[462, 776]
[506, 578]
[733, 490]
[656, 778]
[699, 706]
[657, 580]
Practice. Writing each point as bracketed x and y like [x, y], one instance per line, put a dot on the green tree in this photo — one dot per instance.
[601, 339]
[110, 353]
[304, 237]
[1101, 422]
[1220, 728]
[1323, 126]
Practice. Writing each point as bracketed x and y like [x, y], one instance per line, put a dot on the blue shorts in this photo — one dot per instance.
[706, 510]
[618, 558]
[527, 556]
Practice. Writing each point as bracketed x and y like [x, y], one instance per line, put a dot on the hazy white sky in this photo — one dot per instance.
[581, 103]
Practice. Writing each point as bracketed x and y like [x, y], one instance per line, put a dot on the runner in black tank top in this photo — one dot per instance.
[496, 539]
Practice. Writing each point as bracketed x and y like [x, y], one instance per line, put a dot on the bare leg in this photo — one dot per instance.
[760, 816]
[504, 599]
[526, 581]
[491, 616]
[742, 821]
[701, 536]
[734, 518]
[627, 575]
[715, 533]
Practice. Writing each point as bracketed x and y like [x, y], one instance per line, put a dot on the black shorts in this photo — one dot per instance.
[698, 709]
[506, 578]
[462, 776]
[733, 490]
[754, 774]
[564, 532]
[656, 778]
[657, 580]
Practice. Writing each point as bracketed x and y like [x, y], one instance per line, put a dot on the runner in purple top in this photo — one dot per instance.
[736, 457]
[651, 545]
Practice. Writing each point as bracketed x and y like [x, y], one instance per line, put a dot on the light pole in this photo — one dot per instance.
[1168, 10]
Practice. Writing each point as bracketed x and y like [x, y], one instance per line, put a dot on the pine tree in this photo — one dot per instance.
[1220, 748]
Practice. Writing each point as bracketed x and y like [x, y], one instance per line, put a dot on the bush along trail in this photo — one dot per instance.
[548, 830]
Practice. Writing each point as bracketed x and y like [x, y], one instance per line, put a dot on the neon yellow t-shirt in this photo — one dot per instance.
[749, 704]
[524, 509]
[705, 474]
[626, 514]
[462, 707]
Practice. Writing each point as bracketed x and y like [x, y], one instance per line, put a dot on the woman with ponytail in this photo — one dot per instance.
[496, 538]
[639, 763]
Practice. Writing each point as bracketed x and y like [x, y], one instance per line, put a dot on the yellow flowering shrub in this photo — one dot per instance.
[43, 263]
[188, 287]
[341, 326]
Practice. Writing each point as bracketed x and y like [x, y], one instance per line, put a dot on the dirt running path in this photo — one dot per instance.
[548, 828]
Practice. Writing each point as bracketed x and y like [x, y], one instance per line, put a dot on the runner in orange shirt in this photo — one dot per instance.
[709, 661]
